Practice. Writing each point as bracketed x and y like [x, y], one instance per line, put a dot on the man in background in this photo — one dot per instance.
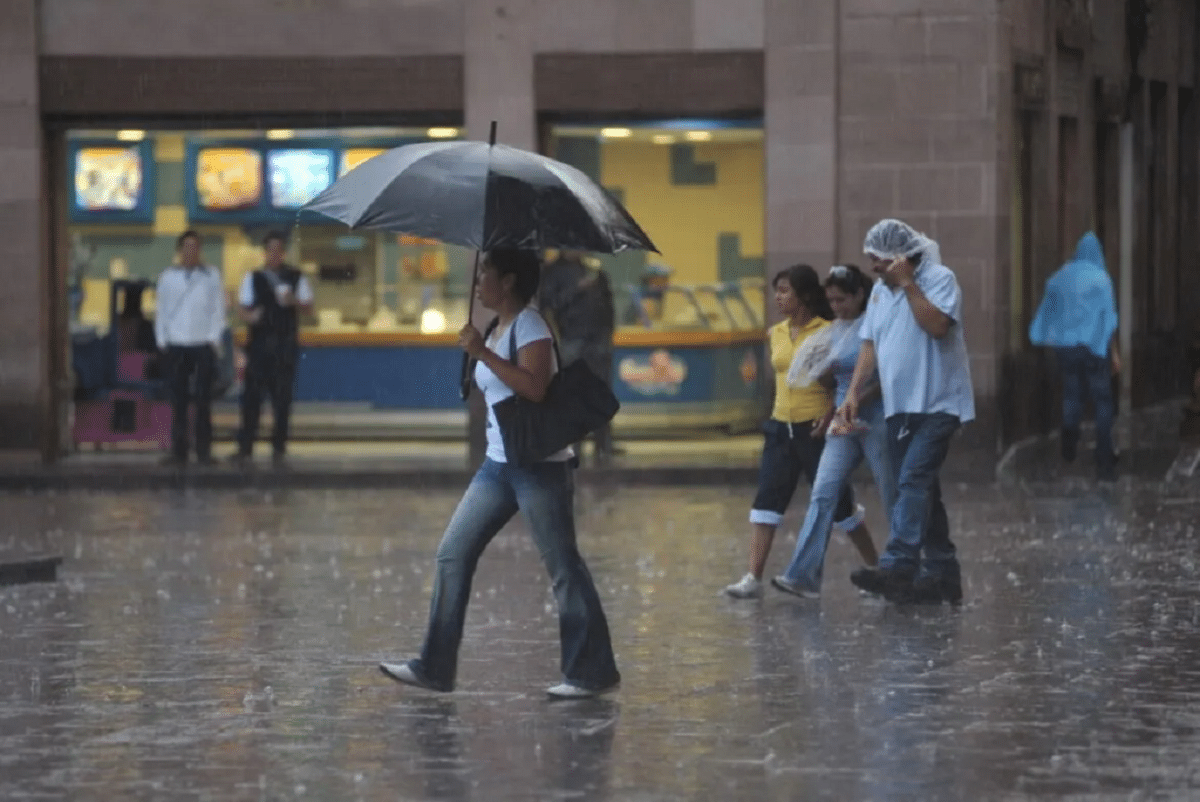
[188, 325]
[270, 299]
[576, 296]
[1078, 319]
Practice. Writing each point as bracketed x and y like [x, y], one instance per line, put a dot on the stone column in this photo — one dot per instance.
[26, 415]
[800, 132]
[498, 73]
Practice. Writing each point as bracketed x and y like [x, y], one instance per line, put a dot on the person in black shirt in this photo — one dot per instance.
[576, 297]
[270, 300]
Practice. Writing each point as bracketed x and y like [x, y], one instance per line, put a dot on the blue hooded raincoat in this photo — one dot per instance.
[1078, 307]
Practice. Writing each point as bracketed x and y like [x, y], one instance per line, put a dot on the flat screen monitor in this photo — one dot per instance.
[228, 178]
[108, 178]
[297, 175]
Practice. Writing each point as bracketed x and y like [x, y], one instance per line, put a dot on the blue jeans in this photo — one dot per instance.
[843, 453]
[545, 494]
[920, 535]
[1082, 371]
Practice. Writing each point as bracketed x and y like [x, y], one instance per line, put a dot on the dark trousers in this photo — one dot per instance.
[274, 376]
[184, 362]
[1085, 374]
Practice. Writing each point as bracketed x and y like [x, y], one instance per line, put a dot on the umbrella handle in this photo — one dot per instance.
[465, 376]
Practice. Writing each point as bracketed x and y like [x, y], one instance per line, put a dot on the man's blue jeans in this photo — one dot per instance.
[842, 454]
[1082, 371]
[545, 494]
[920, 535]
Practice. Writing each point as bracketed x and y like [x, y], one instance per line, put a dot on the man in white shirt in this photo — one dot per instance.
[188, 323]
[913, 333]
[270, 300]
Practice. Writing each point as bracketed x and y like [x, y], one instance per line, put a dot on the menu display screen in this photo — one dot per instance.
[297, 175]
[228, 178]
[108, 179]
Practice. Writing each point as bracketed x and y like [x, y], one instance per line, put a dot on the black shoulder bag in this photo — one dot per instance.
[577, 403]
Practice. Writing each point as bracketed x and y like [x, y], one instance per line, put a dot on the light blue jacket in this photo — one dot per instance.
[1078, 307]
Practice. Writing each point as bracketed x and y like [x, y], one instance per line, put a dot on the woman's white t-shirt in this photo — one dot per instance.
[530, 328]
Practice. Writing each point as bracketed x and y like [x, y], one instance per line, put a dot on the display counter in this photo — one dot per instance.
[381, 384]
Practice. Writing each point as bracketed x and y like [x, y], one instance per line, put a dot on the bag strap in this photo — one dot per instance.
[512, 341]
[187, 290]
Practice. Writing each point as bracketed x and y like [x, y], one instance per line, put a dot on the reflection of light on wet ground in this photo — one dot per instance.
[226, 643]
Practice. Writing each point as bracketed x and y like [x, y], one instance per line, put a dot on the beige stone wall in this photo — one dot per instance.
[919, 88]
[336, 28]
[24, 337]
[800, 133]
[339, 28]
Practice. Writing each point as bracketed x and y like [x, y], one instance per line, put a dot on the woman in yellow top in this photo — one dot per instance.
[795, 434]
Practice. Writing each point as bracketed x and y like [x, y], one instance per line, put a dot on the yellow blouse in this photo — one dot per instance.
[791, 405]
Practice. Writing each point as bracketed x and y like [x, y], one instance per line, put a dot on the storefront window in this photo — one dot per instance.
[134, 192]
[696, 186]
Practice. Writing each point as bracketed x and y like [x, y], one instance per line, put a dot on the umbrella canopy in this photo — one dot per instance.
[481, 196]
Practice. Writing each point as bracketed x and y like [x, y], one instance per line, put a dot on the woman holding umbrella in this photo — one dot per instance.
[544, 492]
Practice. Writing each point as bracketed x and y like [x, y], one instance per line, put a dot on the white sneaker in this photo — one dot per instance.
[402, 672]
[745, 588]
[567, 690]
[781, 583]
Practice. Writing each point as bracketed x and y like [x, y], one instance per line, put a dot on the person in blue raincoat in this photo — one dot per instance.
[1078, 319]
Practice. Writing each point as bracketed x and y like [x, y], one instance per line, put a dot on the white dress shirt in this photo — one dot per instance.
[191, 306]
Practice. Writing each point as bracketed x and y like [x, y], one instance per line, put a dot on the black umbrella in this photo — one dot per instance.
[483, 196]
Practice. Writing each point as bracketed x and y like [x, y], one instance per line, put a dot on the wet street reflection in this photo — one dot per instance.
[219, 645]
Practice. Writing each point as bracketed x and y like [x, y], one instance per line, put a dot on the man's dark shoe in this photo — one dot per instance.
[206, 461]
[868, 579]
[1070, 444]
[935, 590]
[238, 458]
[886, 582]
[173, 461]
[1106, 473]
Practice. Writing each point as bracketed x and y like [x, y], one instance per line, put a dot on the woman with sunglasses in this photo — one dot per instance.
[795, 434]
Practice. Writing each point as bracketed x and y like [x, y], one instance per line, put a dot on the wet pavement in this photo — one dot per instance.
[205, 644]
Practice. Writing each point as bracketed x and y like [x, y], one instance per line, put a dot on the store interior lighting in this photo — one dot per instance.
[433, 322]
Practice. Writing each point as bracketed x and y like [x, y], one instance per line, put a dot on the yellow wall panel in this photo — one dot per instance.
[685, 220]
[170, 220]
[168, 147]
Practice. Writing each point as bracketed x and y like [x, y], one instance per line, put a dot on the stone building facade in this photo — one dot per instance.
[993, 125]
